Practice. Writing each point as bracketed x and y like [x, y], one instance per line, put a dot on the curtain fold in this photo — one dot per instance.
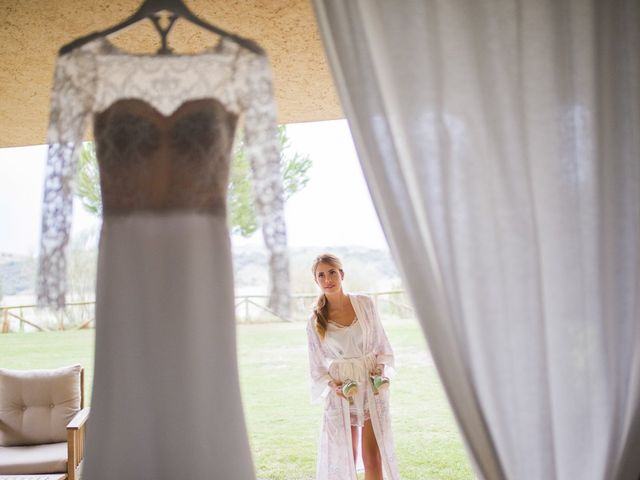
[501, 144]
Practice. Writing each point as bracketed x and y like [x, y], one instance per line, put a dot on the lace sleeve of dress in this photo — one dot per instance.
[263, 151]
[71, 102]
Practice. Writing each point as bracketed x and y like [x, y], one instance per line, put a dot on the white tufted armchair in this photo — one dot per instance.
[42, 420]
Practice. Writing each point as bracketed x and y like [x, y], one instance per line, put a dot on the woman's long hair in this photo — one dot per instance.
[321, 307]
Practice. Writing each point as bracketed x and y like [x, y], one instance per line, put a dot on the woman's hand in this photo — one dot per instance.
[378, 370]
[337, 388]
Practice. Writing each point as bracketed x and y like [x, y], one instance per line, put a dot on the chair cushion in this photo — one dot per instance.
[52, 476]
[37, 405]
[47, 458]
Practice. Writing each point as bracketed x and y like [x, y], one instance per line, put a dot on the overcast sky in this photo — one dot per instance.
[334, 209]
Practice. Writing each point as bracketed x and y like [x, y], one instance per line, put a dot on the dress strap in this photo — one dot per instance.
[339, 325]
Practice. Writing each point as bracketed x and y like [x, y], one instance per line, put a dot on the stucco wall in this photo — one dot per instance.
[32, 31]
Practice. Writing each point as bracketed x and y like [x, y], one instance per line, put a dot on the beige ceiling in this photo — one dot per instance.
[32, 31]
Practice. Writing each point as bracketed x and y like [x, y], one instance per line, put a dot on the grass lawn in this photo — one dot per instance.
[283, 424]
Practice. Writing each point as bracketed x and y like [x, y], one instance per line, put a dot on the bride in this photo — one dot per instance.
[349, 356]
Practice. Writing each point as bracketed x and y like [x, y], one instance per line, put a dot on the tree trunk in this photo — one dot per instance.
[279, 294]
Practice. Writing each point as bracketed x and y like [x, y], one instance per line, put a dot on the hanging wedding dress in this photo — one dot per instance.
[166, 399]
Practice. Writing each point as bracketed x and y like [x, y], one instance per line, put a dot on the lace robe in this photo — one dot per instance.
[335, 459]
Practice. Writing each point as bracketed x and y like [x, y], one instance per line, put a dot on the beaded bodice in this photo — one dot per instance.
[152, 162]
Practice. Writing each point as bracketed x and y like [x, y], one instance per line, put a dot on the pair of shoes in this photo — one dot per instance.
[379, 383]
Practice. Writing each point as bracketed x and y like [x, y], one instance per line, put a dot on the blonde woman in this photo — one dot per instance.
[348, 351]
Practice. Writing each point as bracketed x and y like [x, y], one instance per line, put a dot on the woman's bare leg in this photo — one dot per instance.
[354, 441]
[370, 453]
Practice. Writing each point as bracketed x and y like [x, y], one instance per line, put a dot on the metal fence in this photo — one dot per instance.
[249, 309]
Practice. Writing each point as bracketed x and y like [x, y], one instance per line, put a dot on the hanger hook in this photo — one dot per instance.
[164, 49]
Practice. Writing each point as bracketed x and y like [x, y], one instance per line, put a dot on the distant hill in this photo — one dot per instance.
[365, 269]
[17, 274]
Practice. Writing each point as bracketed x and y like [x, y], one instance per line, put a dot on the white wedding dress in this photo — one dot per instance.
[166, 399]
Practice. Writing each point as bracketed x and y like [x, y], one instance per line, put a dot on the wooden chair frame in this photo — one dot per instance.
[76, 434]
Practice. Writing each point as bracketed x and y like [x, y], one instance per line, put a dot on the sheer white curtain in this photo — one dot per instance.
[501, 143]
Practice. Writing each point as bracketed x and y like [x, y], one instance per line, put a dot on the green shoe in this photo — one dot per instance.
[349, 388]
[379, 383]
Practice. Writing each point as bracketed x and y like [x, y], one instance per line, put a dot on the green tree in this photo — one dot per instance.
[242, 215]
[88, 180]
[295, 167]
[243, 220]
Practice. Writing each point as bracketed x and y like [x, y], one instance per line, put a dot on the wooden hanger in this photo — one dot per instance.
[149, 9]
